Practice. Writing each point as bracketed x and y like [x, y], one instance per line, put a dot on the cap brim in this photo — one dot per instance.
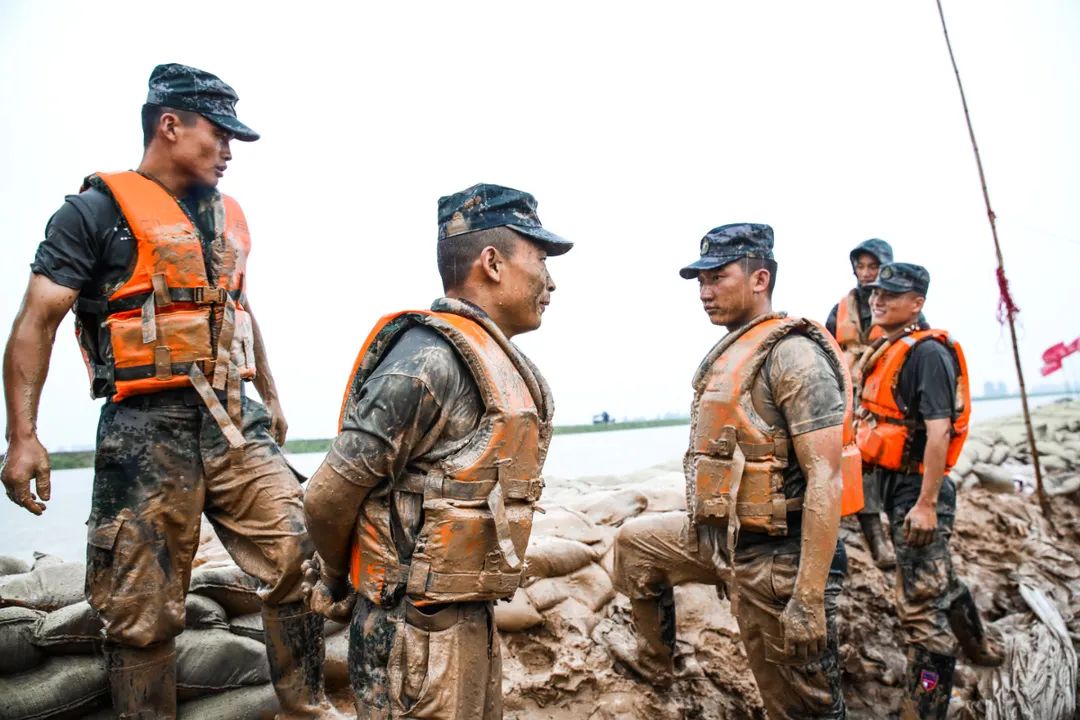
[887, 287]
[692, 270]
[239, 130]
[552, 243]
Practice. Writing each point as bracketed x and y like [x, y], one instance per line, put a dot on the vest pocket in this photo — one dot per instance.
[185, 334]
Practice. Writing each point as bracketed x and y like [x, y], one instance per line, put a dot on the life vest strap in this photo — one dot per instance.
[438, 485]
[195, 295]
[232, 434]
[145, 372]
[424, 581]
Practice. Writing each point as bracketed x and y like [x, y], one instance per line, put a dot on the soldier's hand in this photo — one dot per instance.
[333, 598]
[26, 460]
[804, 630]
[919, 525]
[279, 428]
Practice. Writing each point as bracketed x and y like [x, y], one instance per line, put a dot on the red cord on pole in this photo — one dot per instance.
[1007, 308]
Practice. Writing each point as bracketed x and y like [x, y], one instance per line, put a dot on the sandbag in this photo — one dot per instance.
[1039, 675]
[17, 650]
[249, 626]
[976, 450]
[992, 477]
[210, 661]
[998, 454]
[44, 560]
[565, 523]
[547, 593]
[556, 556]
[229, 586]
[610, 508]
[12, 566]
[591, 586]
[336, 666]
[202, 613]
[249, 703]
[664, 495]
[46, 588]
[73, 630]
[518, 614]
[76, 629]
[61, 687]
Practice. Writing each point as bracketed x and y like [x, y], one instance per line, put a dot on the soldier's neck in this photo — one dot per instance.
[756, 310]
[161, 169]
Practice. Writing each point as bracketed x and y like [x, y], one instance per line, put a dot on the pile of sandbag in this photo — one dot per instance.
[997, 454]
[50, 644]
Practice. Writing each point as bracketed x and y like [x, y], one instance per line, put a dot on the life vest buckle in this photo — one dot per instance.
[209, 296]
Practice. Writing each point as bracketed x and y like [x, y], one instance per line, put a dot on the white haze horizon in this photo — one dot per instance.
[637, 127]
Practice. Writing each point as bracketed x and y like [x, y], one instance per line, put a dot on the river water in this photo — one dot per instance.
[61, 529]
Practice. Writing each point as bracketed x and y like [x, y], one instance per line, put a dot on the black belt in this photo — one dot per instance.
[177, 397]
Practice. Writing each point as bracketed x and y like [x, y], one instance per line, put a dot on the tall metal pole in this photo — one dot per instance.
[1006, 300]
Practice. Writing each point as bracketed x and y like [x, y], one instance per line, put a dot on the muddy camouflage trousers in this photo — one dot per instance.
[437, 662]
[159, 466]
[926, 586]
[654, 553]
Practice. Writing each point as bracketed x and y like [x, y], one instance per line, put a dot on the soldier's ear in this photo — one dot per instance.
[492, 263]
[919, 301]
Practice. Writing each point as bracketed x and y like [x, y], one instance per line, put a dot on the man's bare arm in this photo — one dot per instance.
[26, 364]
[264, 383]
[921, 520]
[803, 620]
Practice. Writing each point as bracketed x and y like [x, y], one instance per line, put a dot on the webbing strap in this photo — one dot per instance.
[149, 321]
[224, 349]
[502, 527]
[424, 581]
[442, 486]
[739, 462]
[228, 428]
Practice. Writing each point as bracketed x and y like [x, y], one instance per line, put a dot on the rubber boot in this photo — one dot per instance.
[880, 549]
[654, 619]
[296, 650]
[930, 683]
[142, 681]
[980, 645]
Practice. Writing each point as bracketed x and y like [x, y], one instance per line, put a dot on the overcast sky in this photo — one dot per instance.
[637, 127]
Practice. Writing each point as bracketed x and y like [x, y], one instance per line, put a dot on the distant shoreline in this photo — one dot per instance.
[74, 459]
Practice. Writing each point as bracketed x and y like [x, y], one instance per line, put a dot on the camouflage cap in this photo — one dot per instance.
[486, 206]
[878, 248]
[728, 243]
[902, 277]
[187, 88]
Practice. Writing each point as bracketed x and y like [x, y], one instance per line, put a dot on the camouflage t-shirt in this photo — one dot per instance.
[419, 405]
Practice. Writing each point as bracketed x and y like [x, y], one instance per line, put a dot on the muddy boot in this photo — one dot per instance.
[930, 682]
[296, 650]
[142, 681]
[654, 620]
[880, 549]
[980, 644]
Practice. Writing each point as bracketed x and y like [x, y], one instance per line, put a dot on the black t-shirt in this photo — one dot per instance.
[89, 247]
[926, 391]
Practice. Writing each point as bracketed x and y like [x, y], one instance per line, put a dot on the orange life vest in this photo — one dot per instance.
[883, 427]
[479, 502]
[735, 457]
[853, 338]
[167, 325]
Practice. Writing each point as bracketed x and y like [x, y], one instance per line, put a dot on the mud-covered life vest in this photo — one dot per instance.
[735, 458]
[478, 503]
[853, 338]
[884, 428]
[167, 325]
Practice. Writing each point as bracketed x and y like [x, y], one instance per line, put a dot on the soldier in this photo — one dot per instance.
[913, 417]
[153, 262]
[426, 497]
[770, 443]
[851, 324]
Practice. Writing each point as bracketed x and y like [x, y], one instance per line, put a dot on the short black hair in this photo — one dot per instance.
[751, 265]
[456, 254]
[151, 115]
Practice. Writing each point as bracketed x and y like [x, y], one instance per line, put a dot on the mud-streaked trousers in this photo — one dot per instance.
[437, 662]
[926, 585]
[653, 553]
[158, 468]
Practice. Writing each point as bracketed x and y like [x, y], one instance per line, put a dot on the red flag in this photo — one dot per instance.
[1056, 353]
[1051, 367]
